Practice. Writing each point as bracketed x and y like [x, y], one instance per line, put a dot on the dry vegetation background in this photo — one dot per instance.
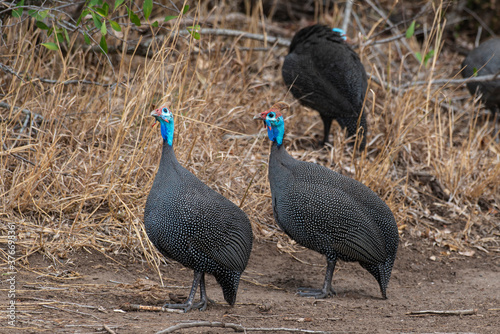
[77, 160]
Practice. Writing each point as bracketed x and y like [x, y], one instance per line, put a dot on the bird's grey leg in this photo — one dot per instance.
[204, 300]
[327, 289]
[188, 305]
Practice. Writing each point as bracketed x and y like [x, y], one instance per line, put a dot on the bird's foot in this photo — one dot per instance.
[316, 293]
[201, 305]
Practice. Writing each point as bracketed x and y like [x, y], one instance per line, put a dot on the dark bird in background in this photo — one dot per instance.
[485, 60]
[325, 74]
[190, 223]
[329, 213]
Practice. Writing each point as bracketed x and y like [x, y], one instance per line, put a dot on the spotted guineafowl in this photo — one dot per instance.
[484, 60]
[190, 223]
[328, 212]
[325, 74]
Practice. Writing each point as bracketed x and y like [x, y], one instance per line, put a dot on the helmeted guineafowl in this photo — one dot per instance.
[329, 213]
[484, 60]
[325, 74]
[190, 223]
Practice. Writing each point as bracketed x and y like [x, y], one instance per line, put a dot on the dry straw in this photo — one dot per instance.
[78, 174]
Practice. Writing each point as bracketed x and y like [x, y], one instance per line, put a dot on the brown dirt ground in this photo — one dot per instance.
[424, 278]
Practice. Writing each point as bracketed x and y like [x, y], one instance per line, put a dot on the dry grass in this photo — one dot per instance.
[79, 175]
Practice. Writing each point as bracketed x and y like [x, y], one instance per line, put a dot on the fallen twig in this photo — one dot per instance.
[149, 308]
[107, 329]
[71, 311]
[60, 302]
[446, 312]
[482, 78]
[235, 327]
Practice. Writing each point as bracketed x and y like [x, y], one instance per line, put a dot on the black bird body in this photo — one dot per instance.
[190, 223]
[325, 74]
[485, 59]
[331, 214]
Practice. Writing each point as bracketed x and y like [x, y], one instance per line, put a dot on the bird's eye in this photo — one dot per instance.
[271, 115]
[164, 110]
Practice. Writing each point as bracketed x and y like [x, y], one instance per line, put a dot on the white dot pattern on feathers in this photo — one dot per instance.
[333, 214]
[192, 224]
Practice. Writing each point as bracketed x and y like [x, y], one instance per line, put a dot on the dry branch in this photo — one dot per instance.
[71, 311]
[24, 111]
[60, 302]
[235, 327]
[241, 34]
[149, 308]
[50, 81]
[483, 78]
[108, 329]
[445, 312]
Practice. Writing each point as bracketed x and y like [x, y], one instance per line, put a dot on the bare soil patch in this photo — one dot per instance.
[88, 290]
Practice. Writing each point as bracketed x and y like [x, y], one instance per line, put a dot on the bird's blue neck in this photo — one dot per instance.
[167, 131]
[276, 130]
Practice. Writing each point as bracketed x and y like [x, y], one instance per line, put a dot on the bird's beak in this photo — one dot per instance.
[157, 113]
[262, 117]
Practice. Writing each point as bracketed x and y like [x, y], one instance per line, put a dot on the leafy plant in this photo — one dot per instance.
[411, 30]
[96, 16]
[426, 58]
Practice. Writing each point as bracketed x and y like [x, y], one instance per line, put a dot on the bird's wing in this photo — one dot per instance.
[224, 225]
[335, 218]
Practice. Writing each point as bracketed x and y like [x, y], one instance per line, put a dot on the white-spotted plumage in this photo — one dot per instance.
[330, 213]
[191, 223]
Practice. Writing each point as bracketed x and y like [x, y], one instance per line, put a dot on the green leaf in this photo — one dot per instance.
[97, 20]
[104, 31]
[194, 31]
[115, 25]
[66, 35]
[95, 3]
[170, 17]
[84, 13]
[34, 14]
[86, 38]
[100, 11]
[44, 13]
[147, 8]
[103, 44]
[411, 30]
[118, 3]
[134, 18]
[428, 56]
[105, 6]
[41, 25]
[50, 31]
[51, 46]
[475, 71]
[60, 37]
[155, 24]
[185, 9]
[18, 12]
[418, 55]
